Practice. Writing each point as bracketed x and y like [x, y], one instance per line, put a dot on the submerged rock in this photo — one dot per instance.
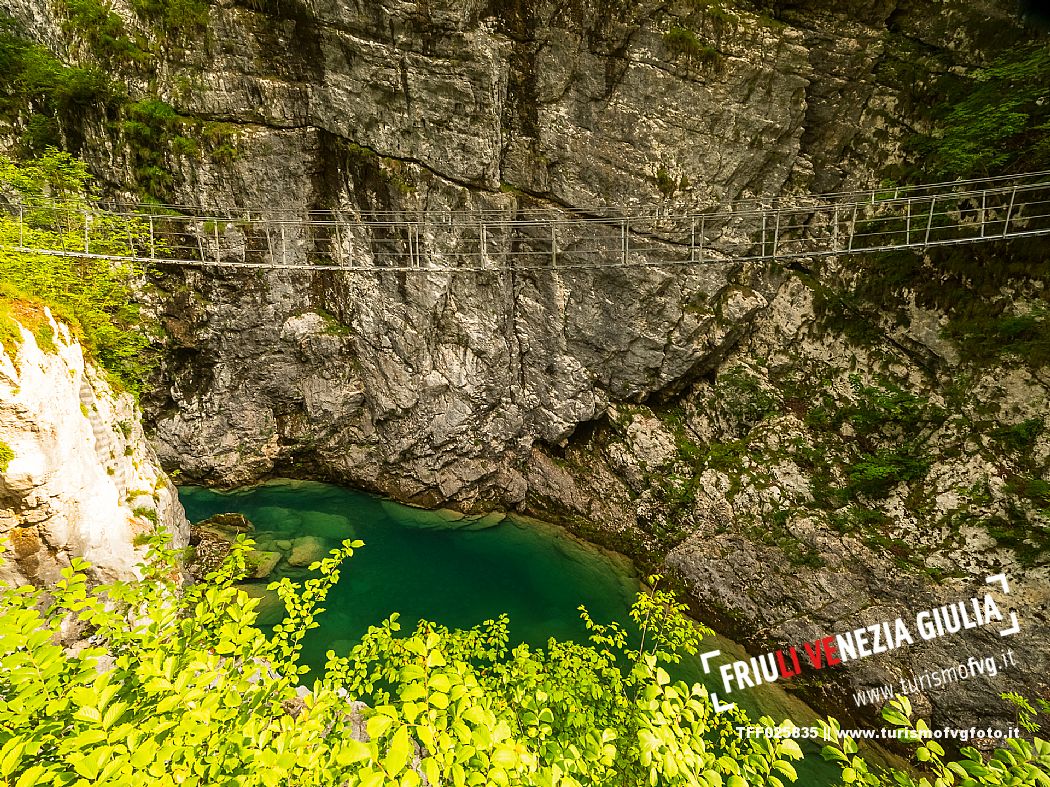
[307, 550]
[329, 526]
[261, 563]
[277, 519]
[271, 609]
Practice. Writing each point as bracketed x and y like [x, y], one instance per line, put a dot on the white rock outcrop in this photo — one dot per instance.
[82, 481]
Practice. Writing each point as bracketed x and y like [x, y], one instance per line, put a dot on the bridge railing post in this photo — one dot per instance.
[1009, 210]
[624, 238]
[835, 229]
[703, 237]
[907, 226]
[929, 221]
[776, 234]
[152, 240]
[762, 244]
[338, 239]
[692, 239]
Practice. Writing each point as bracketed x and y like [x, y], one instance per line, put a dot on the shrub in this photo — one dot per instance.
[875, 474]
[43, 98]
[179, 686]
[1019, 437]
[146, 513]
[993, 120]
[683, 42]
[193, 692]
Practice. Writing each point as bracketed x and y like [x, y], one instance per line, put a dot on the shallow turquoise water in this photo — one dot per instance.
[458, 573]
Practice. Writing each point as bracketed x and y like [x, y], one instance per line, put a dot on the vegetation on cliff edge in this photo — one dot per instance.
[177, 685]
[91, 295]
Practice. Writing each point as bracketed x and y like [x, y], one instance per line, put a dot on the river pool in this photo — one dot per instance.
[455, 571]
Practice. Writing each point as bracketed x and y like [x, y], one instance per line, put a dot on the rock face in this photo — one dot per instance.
[648, 408]
[435, 387]
[812, 484]
[82, 480]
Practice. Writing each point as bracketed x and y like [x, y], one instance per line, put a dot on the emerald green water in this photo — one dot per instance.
[456, 572]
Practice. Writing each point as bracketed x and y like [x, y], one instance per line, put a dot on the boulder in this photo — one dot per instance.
[330, 526]
[209, 550]
[229, 522]
[262, 563]
[307, 550]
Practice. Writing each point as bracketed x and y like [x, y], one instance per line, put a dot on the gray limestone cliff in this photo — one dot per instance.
[714, 417]
[79, 478]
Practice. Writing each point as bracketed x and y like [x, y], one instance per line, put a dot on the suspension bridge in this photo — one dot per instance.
[493, 240]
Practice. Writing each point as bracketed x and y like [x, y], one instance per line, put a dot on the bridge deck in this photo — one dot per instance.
[494, 240]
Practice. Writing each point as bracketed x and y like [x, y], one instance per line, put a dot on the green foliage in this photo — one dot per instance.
[1035, 489]
[1019, 762]
[1025, 335]
[6, 455]
[1019, 437]
[104, 30]
[992, 121]
[875, 474]
[180, 686]
[1029, 541]
[1026, 712]
[175, 17]
[683, 42]
[91, 295]
[740, 392]
[40, 97]
[146, 512]
[665, 183]
[151, 126]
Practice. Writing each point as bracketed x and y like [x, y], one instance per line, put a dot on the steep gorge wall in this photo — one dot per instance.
[583, 396]
[434, 388]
